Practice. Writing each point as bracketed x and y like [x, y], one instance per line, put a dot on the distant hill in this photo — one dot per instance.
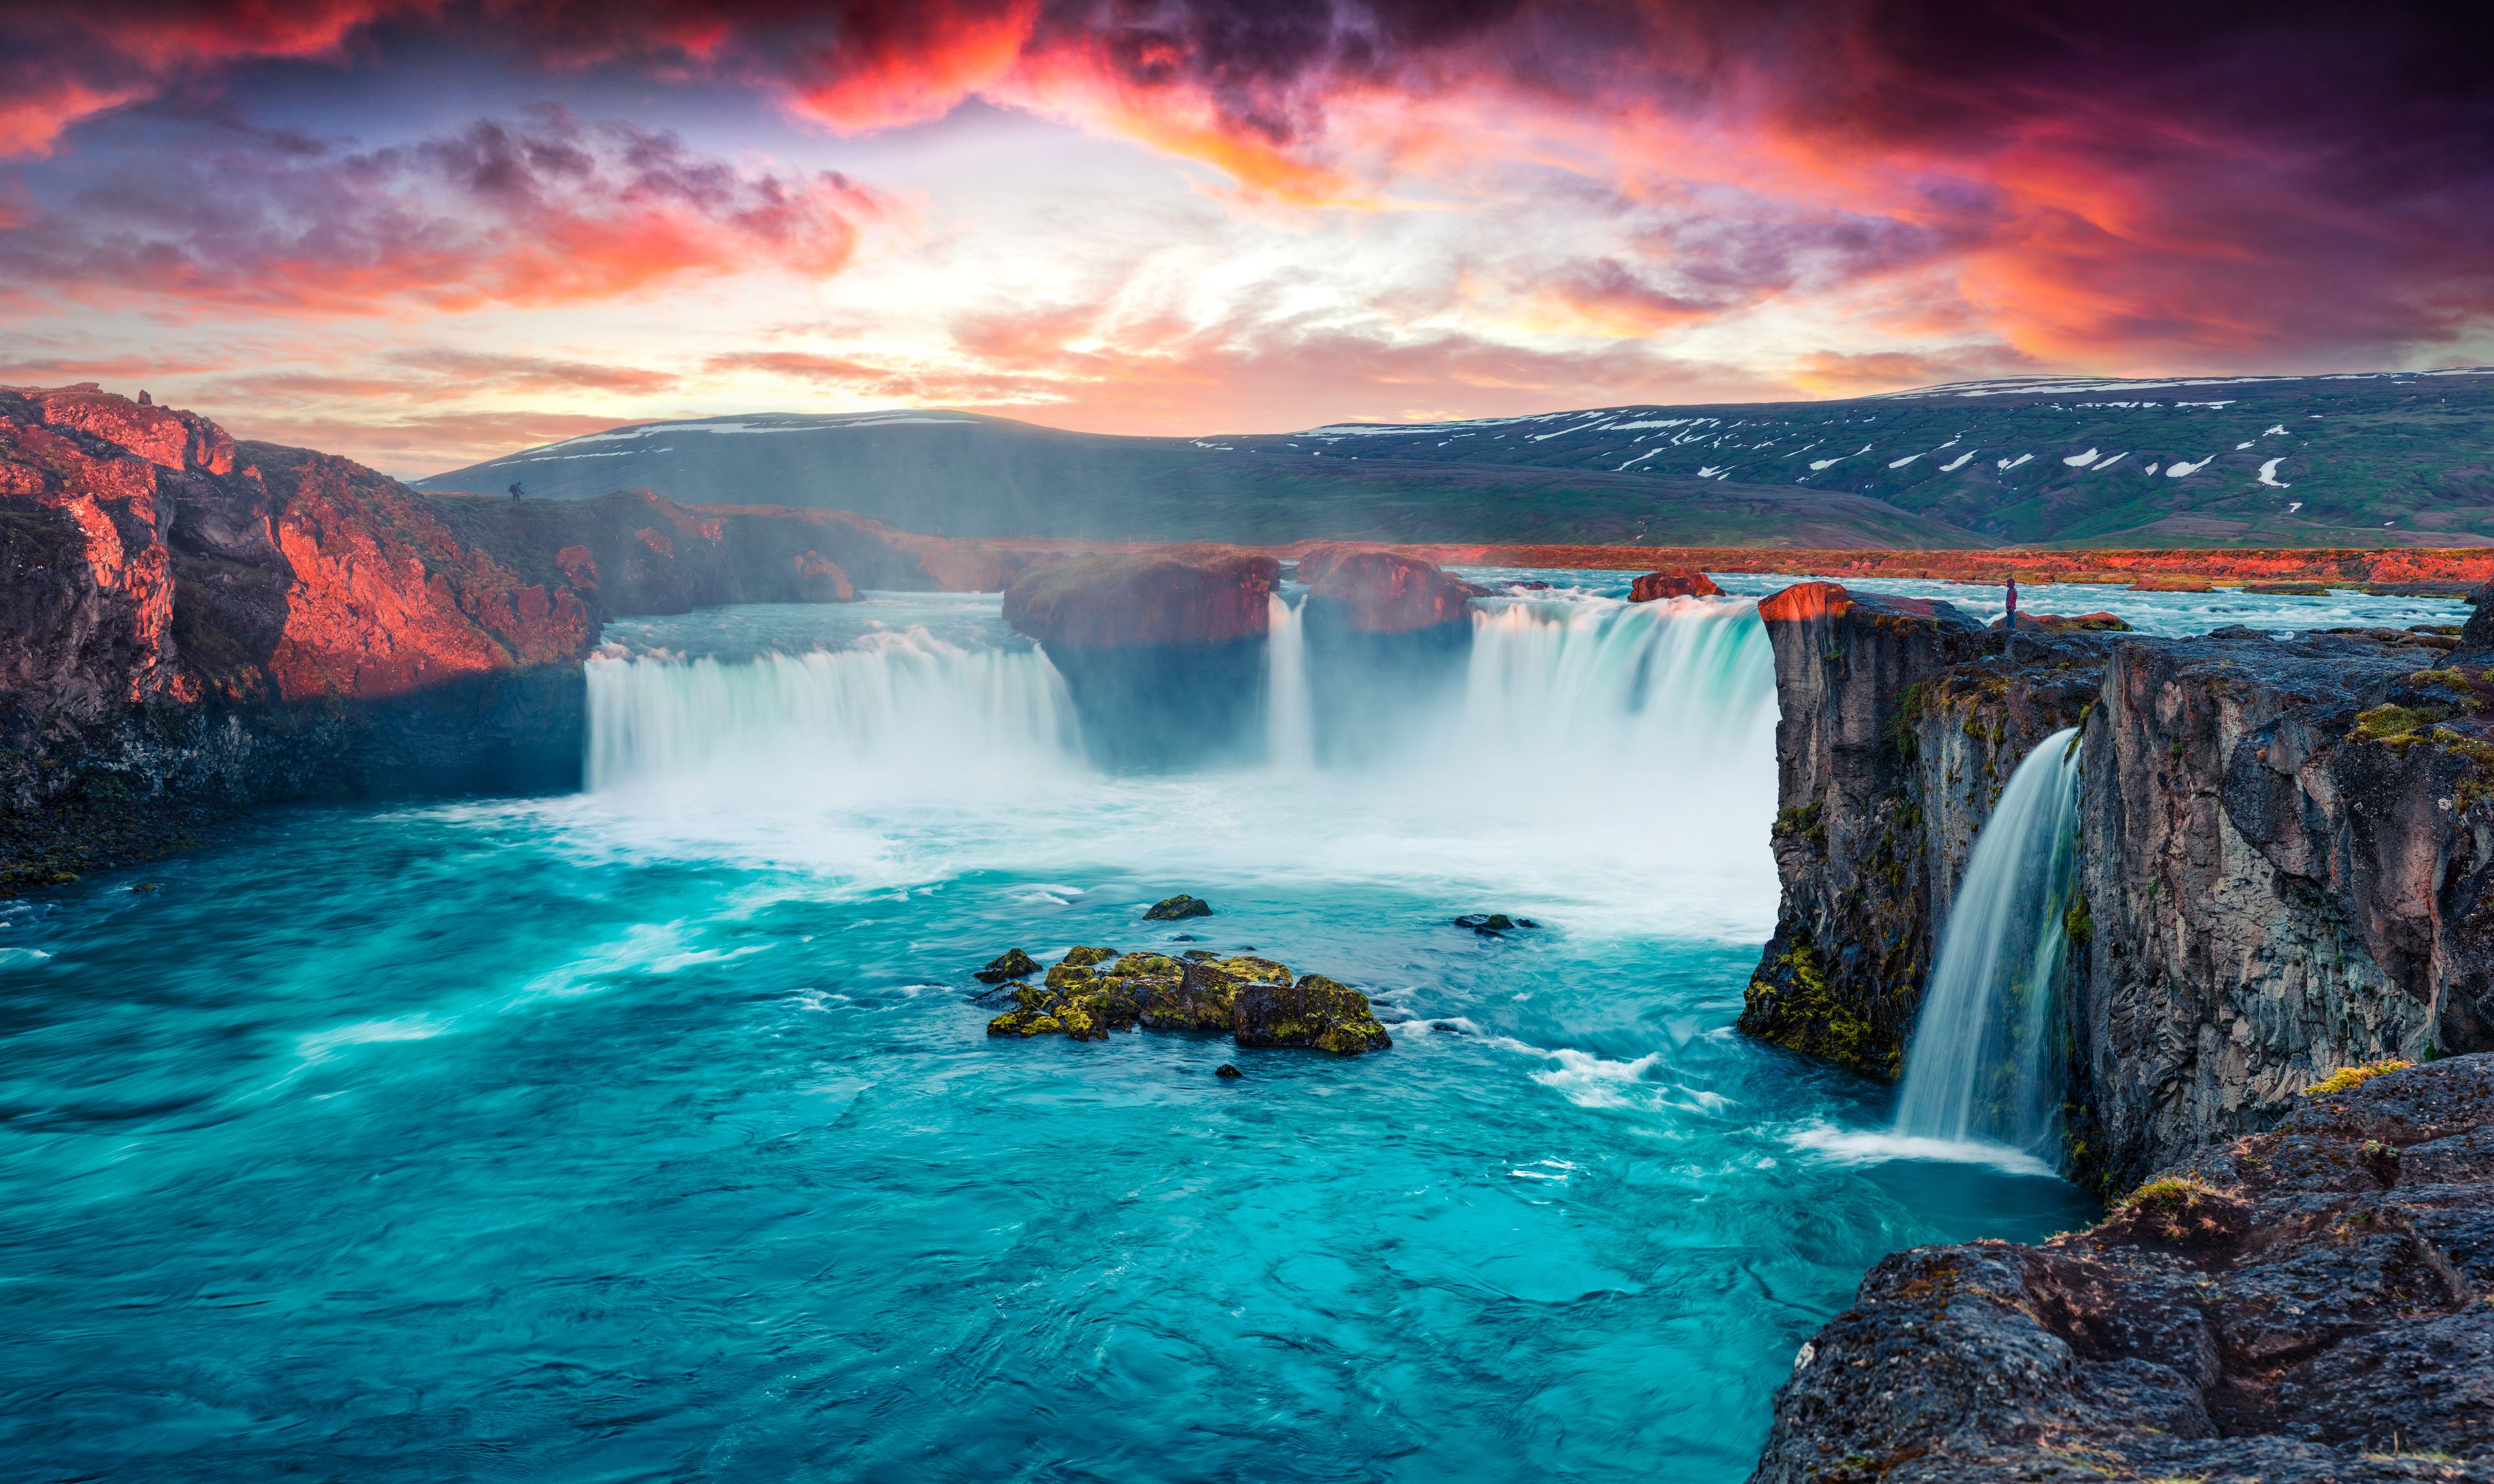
[2357, 459]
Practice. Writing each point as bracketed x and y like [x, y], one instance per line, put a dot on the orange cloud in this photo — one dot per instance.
[544, 212]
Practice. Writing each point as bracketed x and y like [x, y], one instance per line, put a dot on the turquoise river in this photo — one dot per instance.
[652, 1133]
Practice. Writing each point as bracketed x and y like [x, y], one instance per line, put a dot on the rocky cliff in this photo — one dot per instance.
[2283, 853]
[2307, 1304]
[1902, 720]
[189, 623]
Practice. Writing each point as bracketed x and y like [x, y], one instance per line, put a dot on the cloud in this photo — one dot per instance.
[542, 211]
[2112, 185]
[1159, 373]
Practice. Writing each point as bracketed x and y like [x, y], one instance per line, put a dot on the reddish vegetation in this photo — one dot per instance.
[1169, 594]
[1655, 586]
[2456, 566]
[1383, 590]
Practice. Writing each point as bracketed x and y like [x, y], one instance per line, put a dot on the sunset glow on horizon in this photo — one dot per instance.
[424, 233]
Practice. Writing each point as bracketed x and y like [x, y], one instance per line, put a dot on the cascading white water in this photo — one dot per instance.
[1982, 1065]
[1290, 715]
[896, 711]
[1612, 761]
[1682, 685]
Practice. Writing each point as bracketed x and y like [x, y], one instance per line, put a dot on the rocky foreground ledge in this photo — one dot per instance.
[2310, 1303]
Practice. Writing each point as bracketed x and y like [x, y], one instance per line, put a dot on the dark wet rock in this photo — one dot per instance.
[2478, 633]
[1493, 922]
[1451, 1030]
[1015, 964]
[1186, 937]
[2065, 624]
[1653, 587]
[1084, 956]
[1530, 587]
[1025, 1022]
[1201, 954]
[1225, 1070]
[2266, 1309]
[1174, 908]
[1202, 996]
[1313, 1011]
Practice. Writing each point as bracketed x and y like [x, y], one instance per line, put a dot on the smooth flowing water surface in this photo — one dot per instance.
[652, 1133]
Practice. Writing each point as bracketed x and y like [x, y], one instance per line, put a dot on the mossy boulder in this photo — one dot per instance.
[1068, 979]
[1025, 1022]
[1255, 971]
[1171, 909]
[1313, 1011]
[1015, 964]
[1255, 1000]
[1201, 998]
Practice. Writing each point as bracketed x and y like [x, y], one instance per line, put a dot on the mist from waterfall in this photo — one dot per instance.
[1615, 758]
[1985, 1063]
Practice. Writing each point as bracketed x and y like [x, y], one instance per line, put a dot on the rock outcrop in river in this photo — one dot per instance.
[1162, 649]
[2283, 844]
[1256, 1001]
[2310, 1303]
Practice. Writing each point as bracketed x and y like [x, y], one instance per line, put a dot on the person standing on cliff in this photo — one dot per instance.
[515, 491]
[2009, 643]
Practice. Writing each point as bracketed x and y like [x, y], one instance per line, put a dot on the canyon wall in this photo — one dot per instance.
[189, 623]
[1901, 723]
[2283, 853]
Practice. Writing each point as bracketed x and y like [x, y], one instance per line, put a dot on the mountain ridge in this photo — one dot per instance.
[2341, 459]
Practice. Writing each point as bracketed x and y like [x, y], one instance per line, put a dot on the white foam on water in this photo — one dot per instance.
[1864, 1146]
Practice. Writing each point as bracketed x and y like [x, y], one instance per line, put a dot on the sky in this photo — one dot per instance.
[423, 233]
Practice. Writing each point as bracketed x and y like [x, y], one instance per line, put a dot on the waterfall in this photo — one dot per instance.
[1610, 761]
[1687, 684]
[898, 710]
[1290, 715]
[1983, 1064]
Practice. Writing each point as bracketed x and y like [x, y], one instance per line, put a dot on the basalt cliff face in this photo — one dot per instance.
[189, 623]
[1901, 723]
[2283, 843]
[2306, 1304]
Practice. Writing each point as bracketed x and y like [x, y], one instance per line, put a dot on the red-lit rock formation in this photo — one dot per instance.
[1375, 591]
[1171, 594]
[165, 593]
[1654, 586]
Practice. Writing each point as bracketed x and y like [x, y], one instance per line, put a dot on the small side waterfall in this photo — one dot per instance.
[1982, 1065]
[1290, 713]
